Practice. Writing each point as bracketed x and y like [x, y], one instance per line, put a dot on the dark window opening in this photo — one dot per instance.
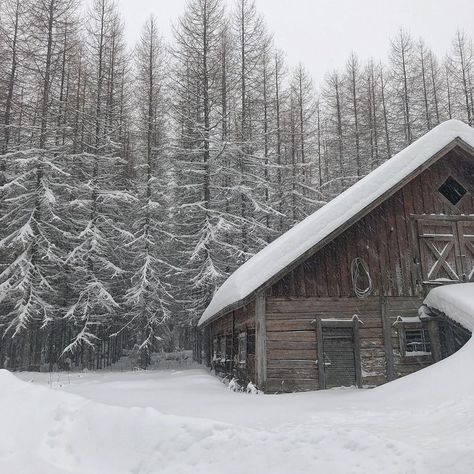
[417, 342]
[452, 190]
[222, 349]
[242, 348]
[251, 342]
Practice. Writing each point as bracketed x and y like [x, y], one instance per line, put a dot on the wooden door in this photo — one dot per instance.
[466, 246]
[446, 249]
[339, 358]
[440, 256]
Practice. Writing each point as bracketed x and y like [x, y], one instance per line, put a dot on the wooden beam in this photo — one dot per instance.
[358, 366]
[387, 341]
[260, 341]
[319, 341]
[433, 330]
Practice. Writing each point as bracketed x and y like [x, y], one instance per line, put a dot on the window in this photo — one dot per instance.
[452, 190]
[242, 348]
[221, 350]
[417, 342]
[215, 348]
[218, 349]
[250, 342]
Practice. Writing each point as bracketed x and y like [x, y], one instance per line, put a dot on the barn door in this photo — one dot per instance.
[446, 249]
[439, 250]
[466, 246]
[339, 359]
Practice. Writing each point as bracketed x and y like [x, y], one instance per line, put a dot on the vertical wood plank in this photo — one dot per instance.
[358, 366]
[320, 348]
[260, 341]
[433, 330]
[387, 340]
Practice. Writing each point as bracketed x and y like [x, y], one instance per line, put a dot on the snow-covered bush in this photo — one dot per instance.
[252, 389]
[234, 385]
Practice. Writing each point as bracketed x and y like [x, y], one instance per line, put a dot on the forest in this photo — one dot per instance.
[134, 179]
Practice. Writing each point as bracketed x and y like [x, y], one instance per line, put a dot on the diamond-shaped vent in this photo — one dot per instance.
[452, 190]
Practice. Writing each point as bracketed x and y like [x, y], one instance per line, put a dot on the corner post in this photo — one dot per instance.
[357, 360]
[433, 330]
[260, 342]
[387, 341]
[319, 345]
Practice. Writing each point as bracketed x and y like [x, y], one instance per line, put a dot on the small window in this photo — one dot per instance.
[417, 342]
[250, 342]
[452, 190]
[242, 348]
[222, 348]
[215, 349]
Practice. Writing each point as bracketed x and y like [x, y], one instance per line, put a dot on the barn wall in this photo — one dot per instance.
[321, 287]
[292, 346]
[292, 343]
[383, 239]
[230, 326]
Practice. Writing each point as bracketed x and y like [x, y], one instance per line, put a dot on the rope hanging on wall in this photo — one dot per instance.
[360, 271]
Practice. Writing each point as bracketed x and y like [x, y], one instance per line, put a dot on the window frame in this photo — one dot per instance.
[404, 326]
[444, 199]
[424, 342]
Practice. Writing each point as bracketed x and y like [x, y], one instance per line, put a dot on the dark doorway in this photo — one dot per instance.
[339, 359]
[338, 352]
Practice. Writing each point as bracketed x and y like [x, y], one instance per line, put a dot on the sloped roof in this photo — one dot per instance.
[273, 261]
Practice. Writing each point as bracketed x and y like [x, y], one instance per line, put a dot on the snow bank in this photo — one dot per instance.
[455, 301]
[420, 424]
[50, 432]
[308, 233]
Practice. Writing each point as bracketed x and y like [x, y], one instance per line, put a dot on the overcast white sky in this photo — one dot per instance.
[322, 33]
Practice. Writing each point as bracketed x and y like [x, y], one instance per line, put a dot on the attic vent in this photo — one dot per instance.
[452, 190]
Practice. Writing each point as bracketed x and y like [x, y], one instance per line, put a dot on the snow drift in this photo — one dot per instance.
[423, 423]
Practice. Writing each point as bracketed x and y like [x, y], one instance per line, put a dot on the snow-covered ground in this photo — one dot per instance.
[188, 422]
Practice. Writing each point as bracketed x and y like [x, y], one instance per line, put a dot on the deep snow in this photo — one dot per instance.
[286, 249]
[456, 301]
[188, 422]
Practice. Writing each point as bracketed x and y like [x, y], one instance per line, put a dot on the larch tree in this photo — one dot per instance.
[460, 64]
[403, 77]
[148, 299]
[199, 152]
[101, 199]
[34, 230]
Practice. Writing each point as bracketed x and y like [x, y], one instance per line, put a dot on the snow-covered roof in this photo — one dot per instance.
[327, 221]
[455, 301]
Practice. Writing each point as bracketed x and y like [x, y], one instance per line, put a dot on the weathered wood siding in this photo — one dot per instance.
[322, 287]
[292, 345]
[231, 325]
[383, 239]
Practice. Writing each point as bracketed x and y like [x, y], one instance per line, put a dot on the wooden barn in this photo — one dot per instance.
[335, 300]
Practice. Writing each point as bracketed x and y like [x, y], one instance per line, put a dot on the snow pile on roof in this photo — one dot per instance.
[455, 301]
[276, 256]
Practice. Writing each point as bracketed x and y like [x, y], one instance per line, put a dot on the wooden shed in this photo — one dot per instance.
[335, 300]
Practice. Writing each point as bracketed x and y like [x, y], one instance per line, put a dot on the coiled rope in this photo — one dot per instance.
[358, 267]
